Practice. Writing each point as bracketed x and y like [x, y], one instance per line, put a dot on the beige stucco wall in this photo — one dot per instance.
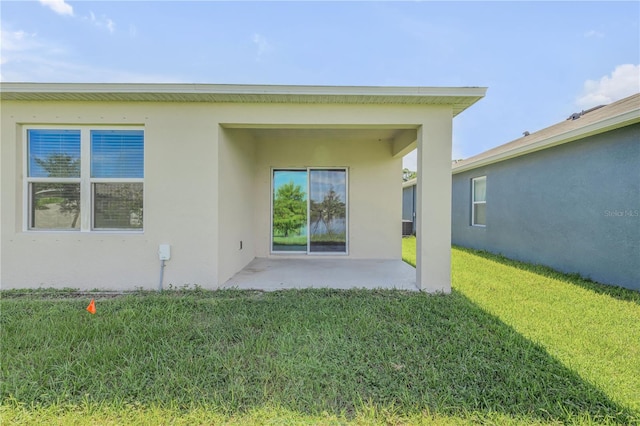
[180, 203]
[433, 207]
[237, 210]
[207, 187]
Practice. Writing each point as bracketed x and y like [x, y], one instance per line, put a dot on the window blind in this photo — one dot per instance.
[117, 154]
[53, 153]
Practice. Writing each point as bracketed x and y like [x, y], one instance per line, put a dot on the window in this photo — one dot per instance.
[309, 211]
[84, 179]
[479, 201]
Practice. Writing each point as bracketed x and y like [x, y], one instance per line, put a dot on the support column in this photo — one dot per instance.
[433, 206]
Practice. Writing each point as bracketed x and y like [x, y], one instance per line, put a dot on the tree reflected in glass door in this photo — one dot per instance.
[289, 219]
[327, 211]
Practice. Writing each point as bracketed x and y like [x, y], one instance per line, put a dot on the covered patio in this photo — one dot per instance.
[271, 274]
[360, 142]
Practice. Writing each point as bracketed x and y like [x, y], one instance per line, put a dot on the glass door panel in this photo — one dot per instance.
[327, 211]
[289, 218]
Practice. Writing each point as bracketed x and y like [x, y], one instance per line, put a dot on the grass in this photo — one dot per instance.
[298, 240]
[591, 328]
[508, 346]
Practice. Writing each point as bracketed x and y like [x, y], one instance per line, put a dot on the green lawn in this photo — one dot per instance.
[302, 239]
[295, 240]
[512, 344]
[592, 329]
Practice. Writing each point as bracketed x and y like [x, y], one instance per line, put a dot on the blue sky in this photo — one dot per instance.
[321, 182]
[540, 60]
[283, 177]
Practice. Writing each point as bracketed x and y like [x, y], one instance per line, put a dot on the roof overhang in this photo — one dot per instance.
[460, 98]
[608, 124]
[410, 182]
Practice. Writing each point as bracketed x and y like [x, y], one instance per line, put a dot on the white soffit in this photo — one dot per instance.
[460, 98]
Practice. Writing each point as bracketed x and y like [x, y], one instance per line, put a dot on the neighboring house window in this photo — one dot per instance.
[479, 201]
[84, 179]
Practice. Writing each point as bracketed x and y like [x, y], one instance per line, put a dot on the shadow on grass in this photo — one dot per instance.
[615, 292]
[309, 351]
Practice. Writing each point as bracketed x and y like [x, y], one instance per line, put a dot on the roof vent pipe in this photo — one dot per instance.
[577, 115]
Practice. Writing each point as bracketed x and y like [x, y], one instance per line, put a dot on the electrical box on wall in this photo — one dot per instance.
[164, 252]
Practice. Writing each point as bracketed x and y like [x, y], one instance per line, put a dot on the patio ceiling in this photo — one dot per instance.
[314, 134]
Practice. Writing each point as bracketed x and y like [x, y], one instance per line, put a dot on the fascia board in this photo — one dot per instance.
[242, 89]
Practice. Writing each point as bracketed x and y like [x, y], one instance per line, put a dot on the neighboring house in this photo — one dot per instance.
[409, 207]
[409, 203]
[99, 180]
[567, 196]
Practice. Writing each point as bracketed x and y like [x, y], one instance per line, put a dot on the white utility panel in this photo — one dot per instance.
[164, 251]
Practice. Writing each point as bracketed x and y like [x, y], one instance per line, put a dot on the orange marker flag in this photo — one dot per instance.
[92, 307]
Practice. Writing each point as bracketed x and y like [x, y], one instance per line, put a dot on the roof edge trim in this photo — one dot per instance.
[233, 89]
[611, 123]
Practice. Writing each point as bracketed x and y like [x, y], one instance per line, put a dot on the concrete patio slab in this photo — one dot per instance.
[279, 274]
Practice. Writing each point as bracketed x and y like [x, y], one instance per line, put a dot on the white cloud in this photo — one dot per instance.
[101, 22]
[15, 41]
[623, 81]
[25, 55]
[593, 34]
[263, 45]
[62, 8]
[28, 57]
[58, 6]
[35, 68]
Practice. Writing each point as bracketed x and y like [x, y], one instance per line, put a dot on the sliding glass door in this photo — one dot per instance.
[309, 212]
[328, 211]
[289, 218]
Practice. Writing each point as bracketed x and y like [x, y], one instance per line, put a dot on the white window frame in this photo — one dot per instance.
[474, 202]
[309, 252]
[85, 180]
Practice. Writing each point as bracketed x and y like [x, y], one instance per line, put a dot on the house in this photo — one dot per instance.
[409, 203]
[567, 196]
[409, 206]
[112, 186]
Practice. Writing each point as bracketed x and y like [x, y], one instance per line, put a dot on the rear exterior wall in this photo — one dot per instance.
[180, 202]
[206, 189]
